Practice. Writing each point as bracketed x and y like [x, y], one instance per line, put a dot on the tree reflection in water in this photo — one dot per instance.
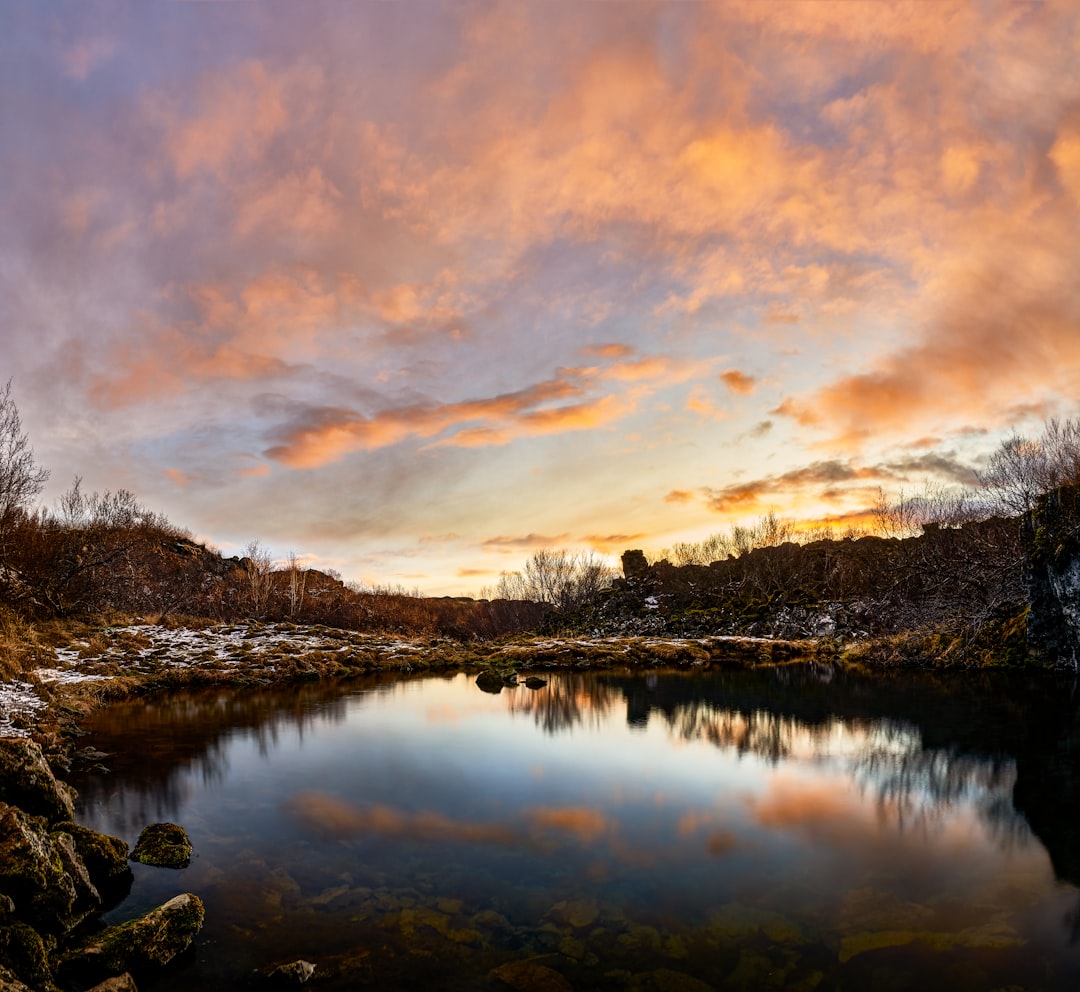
[567, 701]
[920, 744]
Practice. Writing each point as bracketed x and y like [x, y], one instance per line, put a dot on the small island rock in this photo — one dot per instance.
[163, 845]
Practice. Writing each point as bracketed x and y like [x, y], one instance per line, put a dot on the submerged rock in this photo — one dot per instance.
[294, 973]
[576, 913]
[528, 976]
[163, 845]
[535, 682]
[27, 781]
[149, 941]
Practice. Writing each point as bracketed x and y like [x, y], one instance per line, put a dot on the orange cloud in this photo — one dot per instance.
[678, 496]
[528, 541]
[325, 434]
[835, 479]
[738, 382]
[238, 113]
[177, 478]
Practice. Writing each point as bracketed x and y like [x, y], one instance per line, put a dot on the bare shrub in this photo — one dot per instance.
[1023, 469]
[21, 479]
[565, 580]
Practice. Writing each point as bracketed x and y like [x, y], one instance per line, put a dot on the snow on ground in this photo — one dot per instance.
[18, 706]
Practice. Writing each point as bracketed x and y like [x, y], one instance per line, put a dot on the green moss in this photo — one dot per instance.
[163, 845]
[25, 952]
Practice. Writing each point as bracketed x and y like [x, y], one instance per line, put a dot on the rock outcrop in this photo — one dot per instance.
[1051, 537]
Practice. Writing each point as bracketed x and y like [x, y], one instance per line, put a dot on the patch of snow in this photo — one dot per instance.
[67, 677]
[17, 699]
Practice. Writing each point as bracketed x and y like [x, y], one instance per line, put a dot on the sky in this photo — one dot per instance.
[412, 289]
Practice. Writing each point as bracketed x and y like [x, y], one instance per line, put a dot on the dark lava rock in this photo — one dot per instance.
[27, 781]
[494, 682]
[152, 940]
[163, 845]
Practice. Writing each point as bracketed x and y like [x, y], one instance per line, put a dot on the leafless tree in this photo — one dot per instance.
[297, 583]
[260, 568]
[1022, 469]
[563, 579]
[21, 479]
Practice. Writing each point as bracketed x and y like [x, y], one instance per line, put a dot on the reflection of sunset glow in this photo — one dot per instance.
[588, 824]
[329, 815]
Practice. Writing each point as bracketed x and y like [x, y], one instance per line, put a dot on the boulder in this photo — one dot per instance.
[535, 682]
[149, 941]
[43, 872]
[105, 856]
[27, 781]
[163, 845]
[25, 953]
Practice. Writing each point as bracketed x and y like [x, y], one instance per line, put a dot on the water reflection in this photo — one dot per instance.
[802, 823]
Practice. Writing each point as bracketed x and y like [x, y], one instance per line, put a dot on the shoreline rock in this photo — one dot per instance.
[53, 872]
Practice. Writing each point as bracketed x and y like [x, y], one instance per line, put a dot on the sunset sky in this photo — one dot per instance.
[413, 288]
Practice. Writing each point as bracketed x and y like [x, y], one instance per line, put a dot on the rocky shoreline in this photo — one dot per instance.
[57, 877]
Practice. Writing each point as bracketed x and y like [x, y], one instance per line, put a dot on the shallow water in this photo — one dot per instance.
[787, 828]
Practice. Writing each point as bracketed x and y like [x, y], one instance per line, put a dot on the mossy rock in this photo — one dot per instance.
[150, 941]
[25, 953]
[105, 856]
[27, 781]
[43, 873]
[163, 845]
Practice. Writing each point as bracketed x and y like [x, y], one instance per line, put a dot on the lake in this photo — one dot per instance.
[776, 828]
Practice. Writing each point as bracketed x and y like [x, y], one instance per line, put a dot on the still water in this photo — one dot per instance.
[787, 828]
